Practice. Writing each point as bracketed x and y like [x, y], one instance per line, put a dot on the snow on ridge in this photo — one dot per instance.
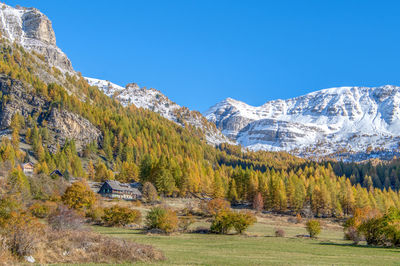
[155, 101]
[324, 121]
[33, 30]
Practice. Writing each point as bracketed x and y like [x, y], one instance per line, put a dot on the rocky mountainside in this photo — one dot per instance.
[348, 120]
[63, 125]
[33, 30]
[155, 101]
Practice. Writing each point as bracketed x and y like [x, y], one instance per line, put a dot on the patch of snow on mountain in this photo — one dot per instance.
[345, 119]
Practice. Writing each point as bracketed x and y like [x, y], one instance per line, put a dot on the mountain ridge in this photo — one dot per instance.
[321, 122]
[157, 102]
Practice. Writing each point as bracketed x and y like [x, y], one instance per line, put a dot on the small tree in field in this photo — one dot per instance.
[162, 218]
[149, 192]
[242, 221]
[258, 202]
[79, 196]
[313, 227]
[214, 206]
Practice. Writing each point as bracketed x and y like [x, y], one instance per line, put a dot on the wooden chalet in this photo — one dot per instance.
[117, 190]
[28, 168]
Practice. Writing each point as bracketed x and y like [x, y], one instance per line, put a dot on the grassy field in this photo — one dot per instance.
[261, 247]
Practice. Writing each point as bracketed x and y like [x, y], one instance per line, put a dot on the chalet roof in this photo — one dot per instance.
[56, 172]
[116, 185]
[29, 164]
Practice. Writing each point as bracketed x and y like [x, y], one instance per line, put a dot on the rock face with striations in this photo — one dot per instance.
[33, 30]
[332, 121]
[62, 124]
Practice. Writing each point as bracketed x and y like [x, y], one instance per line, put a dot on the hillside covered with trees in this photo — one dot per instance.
[139, 145]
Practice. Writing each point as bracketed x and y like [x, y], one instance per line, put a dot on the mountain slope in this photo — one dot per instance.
[155, 101]
[33, 30]
[345, 119]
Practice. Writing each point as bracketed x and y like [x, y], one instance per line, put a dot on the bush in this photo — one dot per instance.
[185, 222]
[313, 227]
[137, 203]
[258, 202]
[149, 192]
[224, 221]
[279, 233]
[351, 233]
[298, 218]
[79, 196]
[120, 216]
[23, 234]
[214, 206]
[242, 221]
[365, 222]
[42, 210]
[162, 218]
[95, 214]
[64, 218]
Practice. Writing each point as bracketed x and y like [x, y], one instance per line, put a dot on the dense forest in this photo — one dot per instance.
[139, 145]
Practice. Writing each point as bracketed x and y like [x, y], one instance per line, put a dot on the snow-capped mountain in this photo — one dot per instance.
[155, 101]
[33, 30]
[336, 120]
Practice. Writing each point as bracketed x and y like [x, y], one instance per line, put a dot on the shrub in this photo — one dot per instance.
[64, 218]
[353, 227]
[383, 230]
[279, 233]
[8, 207]
[42, 210]
[214, 206]
[137, 203]
[258, 202]
[313, 227]
[224, 221]
[23, 234]
[185, 222]
[162, 218]
[120, 216]
[95, 214]
[242, 221]
[298, 218]
[79, 196]
[351, 233]
[149, 192]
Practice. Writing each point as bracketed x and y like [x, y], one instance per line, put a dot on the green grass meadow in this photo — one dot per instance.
[260, 247]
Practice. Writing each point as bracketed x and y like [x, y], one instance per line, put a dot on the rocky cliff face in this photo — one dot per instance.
[62, 124]
[33, 30]
[331, 121]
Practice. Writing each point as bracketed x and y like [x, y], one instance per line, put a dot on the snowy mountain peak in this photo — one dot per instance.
[33, 30]
[345, 119]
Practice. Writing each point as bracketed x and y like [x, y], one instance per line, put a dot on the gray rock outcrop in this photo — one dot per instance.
[62, 124]
[33, 30]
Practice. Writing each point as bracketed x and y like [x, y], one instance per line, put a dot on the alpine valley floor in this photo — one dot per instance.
[261, 247]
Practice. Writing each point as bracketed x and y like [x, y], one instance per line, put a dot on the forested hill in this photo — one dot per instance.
[44, 111]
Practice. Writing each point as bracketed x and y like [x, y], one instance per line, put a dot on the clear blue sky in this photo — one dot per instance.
[200, 52]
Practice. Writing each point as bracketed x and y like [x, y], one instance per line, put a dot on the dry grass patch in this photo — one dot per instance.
[89, 247]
